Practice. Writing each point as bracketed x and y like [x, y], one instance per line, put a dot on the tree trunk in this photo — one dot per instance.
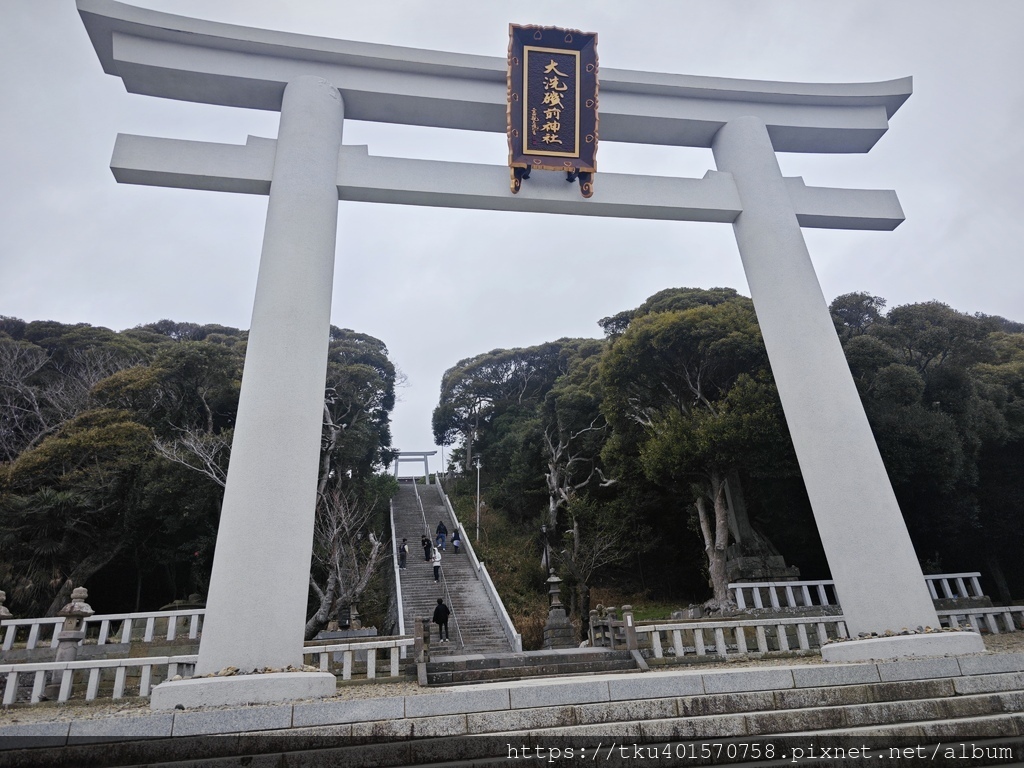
[719, 577]
[327, 597]
[738, 507]
[584, 591]
[81, 574]
[995, 569]
[716, 539]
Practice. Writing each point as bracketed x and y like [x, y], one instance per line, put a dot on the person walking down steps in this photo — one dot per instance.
[403, 554]
[442, 532]
[441, 614]
[437, 564]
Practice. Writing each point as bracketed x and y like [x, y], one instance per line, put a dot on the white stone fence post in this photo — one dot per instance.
[823, 593]
[121, 678]
[733, 638]
[158, 625]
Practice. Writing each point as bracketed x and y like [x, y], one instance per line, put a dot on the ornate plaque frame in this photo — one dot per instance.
[552, 103]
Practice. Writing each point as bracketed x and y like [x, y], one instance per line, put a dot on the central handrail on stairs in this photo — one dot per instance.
[515, 640]
[398, 574]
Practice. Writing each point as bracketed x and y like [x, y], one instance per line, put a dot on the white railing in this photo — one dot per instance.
[976, 617]
[396, 646]
[69, 669]
[514, 638]
[736, 638]
[35, 629]
[190, 617]
[170, 624]
[952, 585]
[784, 594]
[397, 574]
[822, 593]
[149, 670]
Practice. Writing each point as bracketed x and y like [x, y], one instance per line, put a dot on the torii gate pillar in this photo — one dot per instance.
[272, 476]
[858, 517]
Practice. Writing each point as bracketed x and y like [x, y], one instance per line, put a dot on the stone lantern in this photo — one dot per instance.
[558, 630]
[71, 634]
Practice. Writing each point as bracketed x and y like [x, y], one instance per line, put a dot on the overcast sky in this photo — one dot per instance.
[440, 285]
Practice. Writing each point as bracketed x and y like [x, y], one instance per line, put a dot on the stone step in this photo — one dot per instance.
[476, 724]
[508, 674]
[474, 624]
[534, 658]
[530, 664]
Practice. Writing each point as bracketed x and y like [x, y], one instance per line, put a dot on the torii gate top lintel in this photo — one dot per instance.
[214, 63]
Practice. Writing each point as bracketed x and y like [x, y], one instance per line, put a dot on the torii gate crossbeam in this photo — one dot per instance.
[257, 591]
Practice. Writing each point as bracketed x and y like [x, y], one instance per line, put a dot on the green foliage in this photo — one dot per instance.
[117, 445]
[941, 390]
[680, 389]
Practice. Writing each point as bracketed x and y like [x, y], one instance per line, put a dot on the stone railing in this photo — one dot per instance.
[34, 631]
[326, 656]
[97, 669]
[822, 593]
[157, 625]
[736, 637]
[120, 678]
[983, 618]
[952, 585]
[514, 638]
[783, 594]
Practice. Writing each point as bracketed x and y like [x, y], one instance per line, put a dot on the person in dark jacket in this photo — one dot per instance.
[425, 543]
[456, 541]
[441, 614]
[442, 532]
[403, 553]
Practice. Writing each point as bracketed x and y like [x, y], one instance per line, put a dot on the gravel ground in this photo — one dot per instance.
[75, 710]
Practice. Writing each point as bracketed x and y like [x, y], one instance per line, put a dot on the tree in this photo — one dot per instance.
[348, 548]
[478, 390]
[598, 537]
[574, 429]
[70, 505]
[668, 378]
[940, 390]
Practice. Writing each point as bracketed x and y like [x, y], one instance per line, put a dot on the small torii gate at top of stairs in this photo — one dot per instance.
[415, 456]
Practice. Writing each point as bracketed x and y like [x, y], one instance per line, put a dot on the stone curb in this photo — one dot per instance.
[491, 703]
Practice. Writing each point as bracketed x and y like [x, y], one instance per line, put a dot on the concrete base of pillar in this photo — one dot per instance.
[903, 646]
[242, 689]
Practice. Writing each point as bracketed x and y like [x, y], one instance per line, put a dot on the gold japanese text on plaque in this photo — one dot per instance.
[552, 103]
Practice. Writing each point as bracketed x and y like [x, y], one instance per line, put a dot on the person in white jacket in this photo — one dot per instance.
[437, 564]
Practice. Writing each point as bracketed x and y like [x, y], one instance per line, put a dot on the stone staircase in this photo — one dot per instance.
[508, 667]
[474, 625]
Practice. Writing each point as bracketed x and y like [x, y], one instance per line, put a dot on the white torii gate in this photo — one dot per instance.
[416, 457]
[259, 581]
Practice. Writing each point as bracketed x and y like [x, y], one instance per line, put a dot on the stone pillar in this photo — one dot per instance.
[558, 630]
[873, 563]
[71, 634]
[629, 628]
[256, 608]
